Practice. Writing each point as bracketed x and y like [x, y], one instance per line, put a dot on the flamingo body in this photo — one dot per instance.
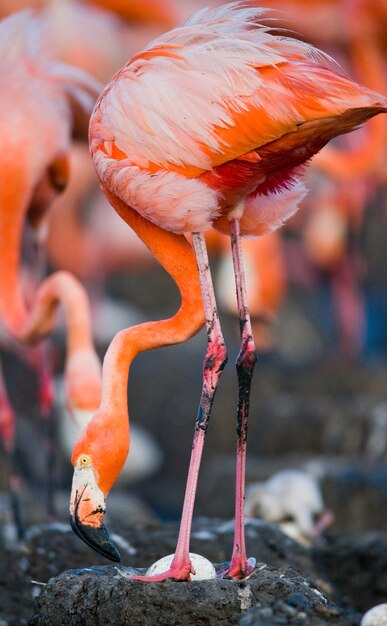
[209, 126]
[43, 104]
[235, 111]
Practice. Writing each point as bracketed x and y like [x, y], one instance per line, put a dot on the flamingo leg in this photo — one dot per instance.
[214, 363]
[241, 566]
[47, 415]
[42, 359]
[7, 437]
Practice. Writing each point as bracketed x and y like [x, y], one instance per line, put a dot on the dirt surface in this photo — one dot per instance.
[332, 583]
[282, 593]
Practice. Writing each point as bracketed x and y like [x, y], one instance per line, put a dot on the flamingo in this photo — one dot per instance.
[367, 59]
[348, 180]
[292, 499]
[208, 126]
[43, 104]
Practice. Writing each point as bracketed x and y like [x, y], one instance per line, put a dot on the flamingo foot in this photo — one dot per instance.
[240, 567]
[194, 567]
[173, 573]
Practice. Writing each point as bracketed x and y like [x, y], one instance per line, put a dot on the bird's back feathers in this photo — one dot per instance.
[212, 90]
[218, 86]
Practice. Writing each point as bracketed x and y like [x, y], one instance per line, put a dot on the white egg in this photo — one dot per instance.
[204, 569]
[377, 616]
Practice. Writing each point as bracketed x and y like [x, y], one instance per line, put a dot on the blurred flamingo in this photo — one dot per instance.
[43, 104]
[346, 175]
[72, 32]
[7, 441]
[365, 50]
[349, 177]
[208, 126]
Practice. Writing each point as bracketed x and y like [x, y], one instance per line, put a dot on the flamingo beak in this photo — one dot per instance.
[87, 508]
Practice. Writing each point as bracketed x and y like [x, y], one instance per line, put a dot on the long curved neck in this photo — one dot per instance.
[60, 288]
[14, 198]
[31, 324]
[175, 254]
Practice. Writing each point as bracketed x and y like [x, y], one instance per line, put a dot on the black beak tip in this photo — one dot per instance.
[96, 537]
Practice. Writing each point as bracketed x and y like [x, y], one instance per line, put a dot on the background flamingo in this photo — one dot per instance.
[44, 103]
[34, 171]
[203, 169]
[350, 169]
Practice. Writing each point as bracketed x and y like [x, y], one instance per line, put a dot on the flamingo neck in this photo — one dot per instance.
[13, 201]
[107, 436]
[178, 259]
[30, 324]
[60, 288]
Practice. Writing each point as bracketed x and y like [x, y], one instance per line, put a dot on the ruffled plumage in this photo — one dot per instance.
[212, 90]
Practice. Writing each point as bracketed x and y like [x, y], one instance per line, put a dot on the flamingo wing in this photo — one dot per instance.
[212, 92]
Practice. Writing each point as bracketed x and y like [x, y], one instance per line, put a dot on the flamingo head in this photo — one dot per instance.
[97, 458]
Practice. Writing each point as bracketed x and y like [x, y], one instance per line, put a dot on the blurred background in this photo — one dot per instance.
[317, 291]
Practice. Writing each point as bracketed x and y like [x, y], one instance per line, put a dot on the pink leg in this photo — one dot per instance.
[7, 437]
[47, 415]
[7, 418]
[215, 360]
[240, 566]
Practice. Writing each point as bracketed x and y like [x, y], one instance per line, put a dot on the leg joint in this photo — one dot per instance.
[216, 357]
[247, 357]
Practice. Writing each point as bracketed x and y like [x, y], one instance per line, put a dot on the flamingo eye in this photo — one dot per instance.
[84, 461]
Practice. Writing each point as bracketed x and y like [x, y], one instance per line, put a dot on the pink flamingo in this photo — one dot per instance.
[208, 126]
[43, 104]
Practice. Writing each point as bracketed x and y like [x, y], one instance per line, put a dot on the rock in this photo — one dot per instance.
[285, 588]
[91, 599]
[356, 564]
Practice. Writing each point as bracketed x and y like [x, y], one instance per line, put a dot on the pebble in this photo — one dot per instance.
[278, 614]
[298, 601]
[266, 613]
